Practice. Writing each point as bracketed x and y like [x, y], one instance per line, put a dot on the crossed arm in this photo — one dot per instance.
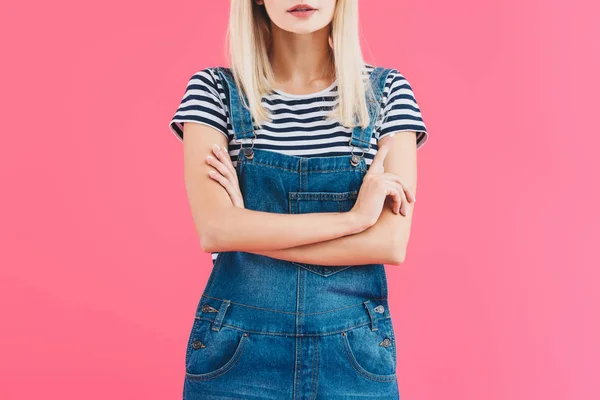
[384, 242]
[315, 238]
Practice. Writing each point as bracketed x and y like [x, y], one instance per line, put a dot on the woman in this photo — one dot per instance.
[296, 306]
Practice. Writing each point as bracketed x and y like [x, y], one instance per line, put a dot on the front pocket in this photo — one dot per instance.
[372, 354]
[312, 202]
[210, 353]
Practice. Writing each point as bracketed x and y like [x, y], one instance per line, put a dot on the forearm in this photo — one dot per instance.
[371, 246]
[241, 229]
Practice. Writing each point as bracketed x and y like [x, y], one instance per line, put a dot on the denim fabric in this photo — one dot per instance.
[274, 329]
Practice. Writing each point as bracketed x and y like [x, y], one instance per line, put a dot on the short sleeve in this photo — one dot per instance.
[201, 103]
[401, 111]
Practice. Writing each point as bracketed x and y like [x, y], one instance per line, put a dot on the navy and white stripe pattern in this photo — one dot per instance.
[299, 127]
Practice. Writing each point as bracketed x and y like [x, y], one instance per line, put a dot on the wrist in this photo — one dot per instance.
[357, 221]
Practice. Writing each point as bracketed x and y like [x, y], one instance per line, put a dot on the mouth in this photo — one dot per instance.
[301, 8]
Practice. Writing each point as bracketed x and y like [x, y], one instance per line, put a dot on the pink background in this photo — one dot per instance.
[101, 268]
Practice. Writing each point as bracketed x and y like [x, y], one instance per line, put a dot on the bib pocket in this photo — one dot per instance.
[312, 202]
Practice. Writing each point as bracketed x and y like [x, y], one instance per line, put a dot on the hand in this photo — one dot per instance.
[377, 185]
[225, 174]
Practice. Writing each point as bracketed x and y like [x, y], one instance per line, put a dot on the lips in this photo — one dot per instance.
[301, 7]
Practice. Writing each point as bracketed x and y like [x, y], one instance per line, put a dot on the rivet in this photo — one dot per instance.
[379, 309]
[209, 308]
[197, 344]
[245, 334]
[343, 333]
[385, 343]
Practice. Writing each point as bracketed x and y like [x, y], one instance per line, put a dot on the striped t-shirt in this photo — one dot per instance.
[298, 124]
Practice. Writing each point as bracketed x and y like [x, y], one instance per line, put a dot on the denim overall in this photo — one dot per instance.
[273, 329]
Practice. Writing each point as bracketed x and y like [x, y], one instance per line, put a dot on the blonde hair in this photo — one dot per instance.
[249, 36]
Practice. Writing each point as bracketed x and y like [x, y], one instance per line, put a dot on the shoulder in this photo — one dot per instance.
[208, 76]
[396, 83]
[209, 82]
[392, 82]
[391, 71]
[394, 77]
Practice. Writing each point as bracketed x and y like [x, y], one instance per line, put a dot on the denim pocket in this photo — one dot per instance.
[372, 354]
[312, 202]
[211, 353]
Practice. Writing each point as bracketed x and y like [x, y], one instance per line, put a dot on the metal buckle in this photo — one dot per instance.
[355, 160]
[248, 151]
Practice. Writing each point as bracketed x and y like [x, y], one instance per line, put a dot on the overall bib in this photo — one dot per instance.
[273, 329]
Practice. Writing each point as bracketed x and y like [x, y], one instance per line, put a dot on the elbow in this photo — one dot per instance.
[398, 253]
[207, 242]
[211, 239]
[397, 259]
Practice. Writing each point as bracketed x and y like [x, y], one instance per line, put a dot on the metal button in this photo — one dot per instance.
[197, 344]
[249, 153]
[208, 308]
[386, 342]
[355, 160]
[379, 309]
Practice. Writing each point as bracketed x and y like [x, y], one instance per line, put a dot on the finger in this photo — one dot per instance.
[381, 154]
[392, 177]
[401, 206]
[226, 183]
[377, 163]
[218, 177]
[377, 168]
[227, 161]
[221, 154]
[403, 209]
[220, 166]
[409, 195]
[396, 199]
[406, 192]
[234, 195]
[239, 202]
[399, 197]
[232, 187]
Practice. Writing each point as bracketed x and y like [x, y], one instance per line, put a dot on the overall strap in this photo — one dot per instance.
[243, 126]
[362, 137]
[240, 116]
